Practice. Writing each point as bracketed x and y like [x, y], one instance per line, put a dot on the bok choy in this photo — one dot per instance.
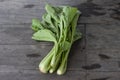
[58, 25]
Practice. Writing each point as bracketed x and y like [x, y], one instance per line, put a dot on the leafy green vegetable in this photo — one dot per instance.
[44, 35]
[36, 25]
[58, 26]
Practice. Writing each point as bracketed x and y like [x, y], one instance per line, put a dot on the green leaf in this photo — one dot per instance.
[77, 36]
[47, 18]
[36, 25]
[66, 45]
[50, 10]
[58, 10]
[69, 12]
[74, 23]
[49, 23]
[44, 35]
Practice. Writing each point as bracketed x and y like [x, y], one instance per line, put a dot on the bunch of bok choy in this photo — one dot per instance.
[58, 25]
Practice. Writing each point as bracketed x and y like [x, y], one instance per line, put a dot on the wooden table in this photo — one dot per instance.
[95, 57]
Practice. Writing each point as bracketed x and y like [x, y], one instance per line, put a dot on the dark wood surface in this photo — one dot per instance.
[95, 57]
